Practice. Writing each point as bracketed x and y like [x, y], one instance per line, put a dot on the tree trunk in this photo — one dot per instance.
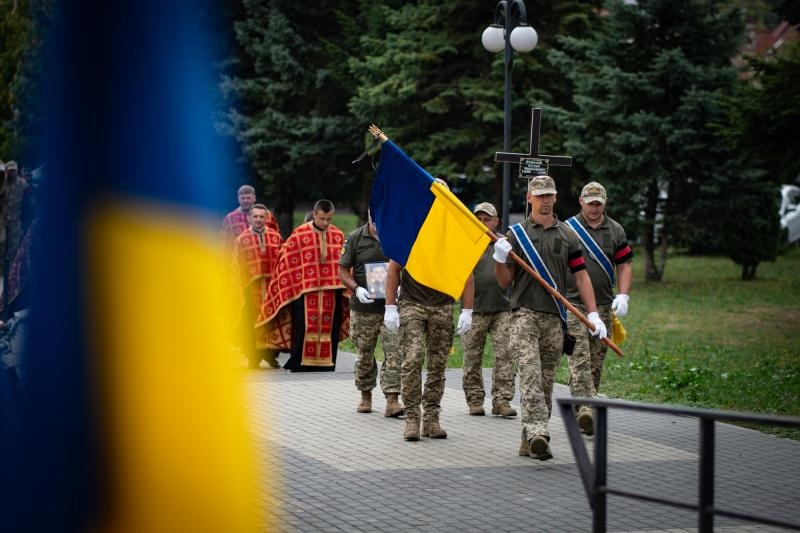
[281, 195]
[650, 269]
[652, 272]
[749, 271]
[285, 222]
[662, 256]
[284, 212]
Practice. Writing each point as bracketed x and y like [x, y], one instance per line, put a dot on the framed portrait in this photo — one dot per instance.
[376, 278]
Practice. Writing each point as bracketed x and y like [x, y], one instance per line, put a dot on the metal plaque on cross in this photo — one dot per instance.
[533, 163]
[530, 167]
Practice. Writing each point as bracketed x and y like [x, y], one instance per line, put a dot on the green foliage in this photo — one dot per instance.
[646, 86]
[12, 34]
[302, 84]
[417, 69]
[739, 194]
[703, 338]
[424, 78]
[763, 115]
[22, 27]
[760, 123]
[691, 383]
[288, 108]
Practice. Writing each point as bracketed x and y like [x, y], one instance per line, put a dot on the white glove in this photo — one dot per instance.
[464, 321]
[501, 249]
[599, 330]
[363, 295]
[620, 305]
[392, 319]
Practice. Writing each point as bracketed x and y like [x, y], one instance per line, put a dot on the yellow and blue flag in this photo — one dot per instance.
[129, 412]
[422, 225]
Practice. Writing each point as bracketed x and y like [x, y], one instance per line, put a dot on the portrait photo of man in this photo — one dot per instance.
[376, 279]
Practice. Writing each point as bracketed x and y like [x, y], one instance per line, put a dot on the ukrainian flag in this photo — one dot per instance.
[423, 226]
[130, 415]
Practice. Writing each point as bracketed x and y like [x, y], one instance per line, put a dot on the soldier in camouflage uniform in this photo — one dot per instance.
[605, 236]
[14, 189]
[537, 326]
[425, 325]
[491, 314]
[362, 249]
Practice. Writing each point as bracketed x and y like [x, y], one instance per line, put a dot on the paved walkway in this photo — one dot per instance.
[345, 471]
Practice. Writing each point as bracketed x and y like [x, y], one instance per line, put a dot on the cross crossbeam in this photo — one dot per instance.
[553, 160]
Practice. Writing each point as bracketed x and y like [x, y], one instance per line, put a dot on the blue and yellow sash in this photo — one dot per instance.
[594, 249]
[536, 262]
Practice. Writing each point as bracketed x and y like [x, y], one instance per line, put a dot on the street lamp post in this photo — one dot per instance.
[510, 19]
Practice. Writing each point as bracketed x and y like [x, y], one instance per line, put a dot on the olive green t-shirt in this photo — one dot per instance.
[610, 237]
[359, 250]
[413, 291]
[490, 297]
[560, 250]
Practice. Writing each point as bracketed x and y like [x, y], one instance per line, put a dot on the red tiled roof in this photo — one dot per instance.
[766, 41]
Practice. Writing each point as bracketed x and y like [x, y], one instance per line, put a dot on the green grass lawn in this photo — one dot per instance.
[704, 338]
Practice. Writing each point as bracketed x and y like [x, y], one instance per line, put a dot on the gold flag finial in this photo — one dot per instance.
[377, 133]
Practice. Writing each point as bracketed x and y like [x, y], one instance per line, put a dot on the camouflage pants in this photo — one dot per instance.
[497, 324]
[586, 361]
[364, 331]
[538, 340]
[426, 335]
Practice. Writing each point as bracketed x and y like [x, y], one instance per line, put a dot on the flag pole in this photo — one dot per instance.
[377, 133]
[380, 136]
[560, 297]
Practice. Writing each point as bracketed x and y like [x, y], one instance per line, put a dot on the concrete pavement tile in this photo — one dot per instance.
[341, 468]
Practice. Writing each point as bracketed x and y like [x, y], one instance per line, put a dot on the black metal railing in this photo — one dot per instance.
[594, 476]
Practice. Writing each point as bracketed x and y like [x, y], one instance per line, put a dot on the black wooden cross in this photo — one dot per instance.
[554, 160]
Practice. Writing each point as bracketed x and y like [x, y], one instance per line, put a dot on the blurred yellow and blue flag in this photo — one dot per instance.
[130, 415]
[422, 225]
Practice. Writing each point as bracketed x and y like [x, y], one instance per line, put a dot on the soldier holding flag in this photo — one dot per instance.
[539, 319]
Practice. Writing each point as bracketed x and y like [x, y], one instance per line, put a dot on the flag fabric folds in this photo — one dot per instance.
[423, 226]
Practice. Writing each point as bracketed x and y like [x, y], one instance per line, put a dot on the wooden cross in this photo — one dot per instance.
[554, 160]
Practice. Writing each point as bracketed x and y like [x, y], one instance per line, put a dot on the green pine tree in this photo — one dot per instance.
[288, 105]
[425, 78]
[761, 122]
[419, 67]
[763, 115]
[16, 40]
[647, 87]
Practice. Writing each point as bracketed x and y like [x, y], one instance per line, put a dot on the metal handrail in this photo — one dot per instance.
[594, 476]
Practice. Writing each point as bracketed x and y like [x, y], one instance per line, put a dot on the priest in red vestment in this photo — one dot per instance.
[236, 221]
[305, 310]
[255, 255]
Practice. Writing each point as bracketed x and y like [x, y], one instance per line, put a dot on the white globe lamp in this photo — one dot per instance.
[524, 38]
[493, 38]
